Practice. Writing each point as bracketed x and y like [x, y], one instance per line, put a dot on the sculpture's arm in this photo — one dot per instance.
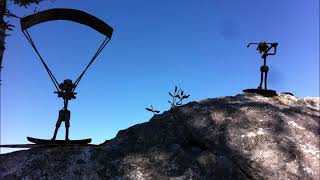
[274, 46]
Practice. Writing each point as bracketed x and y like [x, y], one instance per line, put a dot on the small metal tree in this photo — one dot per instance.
[177, 97]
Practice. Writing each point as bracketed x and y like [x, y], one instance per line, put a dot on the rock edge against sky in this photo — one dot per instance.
[247, 136]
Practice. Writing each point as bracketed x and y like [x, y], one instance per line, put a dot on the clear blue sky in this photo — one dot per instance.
[199, 46]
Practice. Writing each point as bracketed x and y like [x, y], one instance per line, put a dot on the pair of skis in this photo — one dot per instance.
[49, 143]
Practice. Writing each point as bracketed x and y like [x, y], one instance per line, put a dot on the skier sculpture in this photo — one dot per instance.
[264, 49]
[67, 94]
[66, 89]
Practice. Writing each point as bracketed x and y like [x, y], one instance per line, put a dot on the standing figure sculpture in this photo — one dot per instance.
[66, 92]
[264, 49]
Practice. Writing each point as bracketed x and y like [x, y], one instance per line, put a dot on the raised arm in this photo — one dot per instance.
[274, 46]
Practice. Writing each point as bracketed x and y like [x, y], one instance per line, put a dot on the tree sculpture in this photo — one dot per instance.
[177, 97]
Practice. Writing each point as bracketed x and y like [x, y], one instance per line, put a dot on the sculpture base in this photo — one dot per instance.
[263, 92]
[41, 145]
[47, 141]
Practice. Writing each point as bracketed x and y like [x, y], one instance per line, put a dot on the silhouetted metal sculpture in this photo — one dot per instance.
[177, 97]
[67, 94]
[151, 109]
[66, 89]
[264, 49]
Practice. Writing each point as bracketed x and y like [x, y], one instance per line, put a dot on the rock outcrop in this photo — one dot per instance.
[247, 136]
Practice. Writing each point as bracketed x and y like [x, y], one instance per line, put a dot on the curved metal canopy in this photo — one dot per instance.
[69, 15]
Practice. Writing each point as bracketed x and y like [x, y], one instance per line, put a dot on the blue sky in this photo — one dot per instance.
[199, 46]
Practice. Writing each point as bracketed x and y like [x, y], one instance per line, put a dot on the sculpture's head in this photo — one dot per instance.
[262, 47]
[67, 85]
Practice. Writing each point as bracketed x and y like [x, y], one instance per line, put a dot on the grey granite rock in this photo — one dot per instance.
[246, 136]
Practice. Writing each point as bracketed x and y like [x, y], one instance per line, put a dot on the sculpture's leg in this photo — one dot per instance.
[261, 79]
[266, 76]
[67, 133]
[67, 123]
[60, 119]
[55, 133]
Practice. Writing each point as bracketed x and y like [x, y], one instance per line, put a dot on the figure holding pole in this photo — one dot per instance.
[264, 49]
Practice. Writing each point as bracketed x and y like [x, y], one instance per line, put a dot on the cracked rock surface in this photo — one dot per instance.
[247, 136]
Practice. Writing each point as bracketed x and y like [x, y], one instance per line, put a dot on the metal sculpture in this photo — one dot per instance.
[66, 89]
[151, 109]
[177, 97]
[264, 49]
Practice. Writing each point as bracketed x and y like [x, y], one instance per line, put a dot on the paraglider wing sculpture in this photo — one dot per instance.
[66, 89]
[69, 15]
